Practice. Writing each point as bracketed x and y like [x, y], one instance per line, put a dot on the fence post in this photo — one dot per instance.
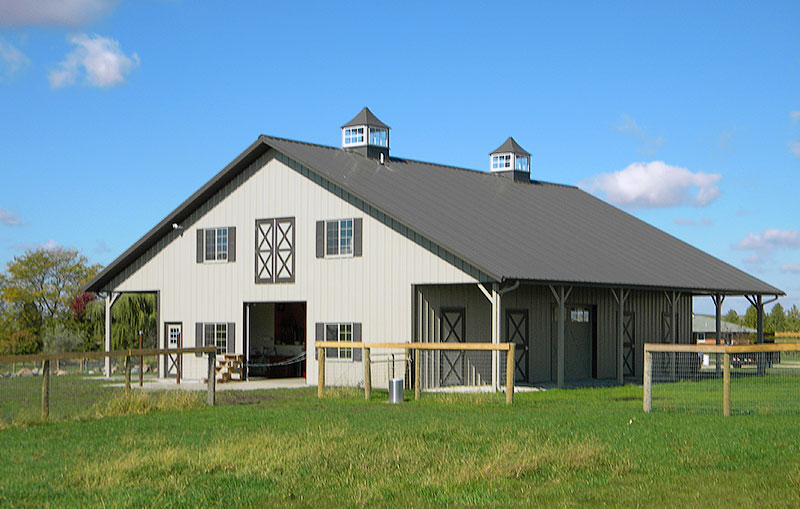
[647, 382]
[320, 371]
[45, 389]
[179, 353]
[141, 362]
[510, 374]
[367, 374]
[212, 380]
[128, 375]
[417, 386]
[726, 384]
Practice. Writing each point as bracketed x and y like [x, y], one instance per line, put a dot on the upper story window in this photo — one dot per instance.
[353, 136]
[501, 161]
[523, 163]
[216, 244]
[275, 250]
[339, 238]
[378, 136]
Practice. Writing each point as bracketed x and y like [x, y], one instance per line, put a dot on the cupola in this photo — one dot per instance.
[367, 135]
[511, 160]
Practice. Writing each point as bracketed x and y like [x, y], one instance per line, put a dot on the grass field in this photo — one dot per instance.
[581, 447]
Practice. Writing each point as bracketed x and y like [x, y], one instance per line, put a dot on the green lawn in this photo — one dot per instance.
[583, 447]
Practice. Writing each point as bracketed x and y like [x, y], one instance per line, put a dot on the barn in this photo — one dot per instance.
[294, 242]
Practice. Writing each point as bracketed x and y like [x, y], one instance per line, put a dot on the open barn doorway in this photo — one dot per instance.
[275, 340]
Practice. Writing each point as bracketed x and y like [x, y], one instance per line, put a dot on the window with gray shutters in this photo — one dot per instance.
[339, 238]
[216, 245]
[275, 250]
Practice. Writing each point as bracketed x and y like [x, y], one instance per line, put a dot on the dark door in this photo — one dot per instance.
[173, 340]
[518, 330]
[578, 343]
[629, 344]
[453, 330]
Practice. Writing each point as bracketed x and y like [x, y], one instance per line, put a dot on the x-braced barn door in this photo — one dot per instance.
[629, 343]
[453, 330]
[275, 250]
[518, 333]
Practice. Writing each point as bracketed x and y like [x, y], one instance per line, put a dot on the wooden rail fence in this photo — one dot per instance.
[141, 353]
[417, 347]
[724, 350]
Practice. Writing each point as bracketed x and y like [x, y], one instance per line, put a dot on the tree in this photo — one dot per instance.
[776, 321]
[39, 287]
[130, 314]
[793, 319]
[60, 339]
[732, 317]
[750, 318]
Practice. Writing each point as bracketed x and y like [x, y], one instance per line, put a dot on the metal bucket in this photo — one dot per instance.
[395, 390]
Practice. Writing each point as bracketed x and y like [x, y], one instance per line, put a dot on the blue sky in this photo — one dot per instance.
[685, 114]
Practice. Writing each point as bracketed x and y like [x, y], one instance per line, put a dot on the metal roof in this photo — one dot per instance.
[708, 323]
[537, 231]
[510, 145]
[366, 117]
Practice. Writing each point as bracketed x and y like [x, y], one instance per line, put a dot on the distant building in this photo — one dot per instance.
[704, 331]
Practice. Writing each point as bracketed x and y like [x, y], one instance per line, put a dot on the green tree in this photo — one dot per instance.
[732, 317]
[131, 313]
[750, 318]
[776, 321]
[793, 319]
[60, 339]
[39, 286]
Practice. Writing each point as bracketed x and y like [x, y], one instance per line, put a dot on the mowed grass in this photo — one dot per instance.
[581, 447]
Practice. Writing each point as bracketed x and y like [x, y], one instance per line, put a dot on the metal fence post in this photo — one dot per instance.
[647, 382]
[45, 389]
[510, 374]
[417, 386]
[212, 380]
[726, 384]
[367, 374]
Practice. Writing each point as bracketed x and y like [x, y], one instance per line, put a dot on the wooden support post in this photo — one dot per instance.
[45, 389]
[726, 385]
[141, 362]
[367, 374]
[417, 367]
[321, 371]
[127, 375]
[510, 374]
[211, 397]
[647, 382]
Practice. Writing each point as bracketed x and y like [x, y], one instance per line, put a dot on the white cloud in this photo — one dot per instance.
[12, 60]
[100, 58]
[8, 218]
[686, 221]
[53, 12]
[628, 125]
[794, 147]
[790, 267]
[769, 240]
[50, 245]
[795, 114]
[655, 184]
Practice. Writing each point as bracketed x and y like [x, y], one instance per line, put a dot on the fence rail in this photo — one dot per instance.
[418, 348]
[128, 354]
[762, 371]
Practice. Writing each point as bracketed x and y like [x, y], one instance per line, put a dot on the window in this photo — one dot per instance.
[501, 161]
[216, 334]
[353, 135]
[378, 136]
[342, 332]
[216, 244]
[580, 315]
[339, 237]
[523, 164]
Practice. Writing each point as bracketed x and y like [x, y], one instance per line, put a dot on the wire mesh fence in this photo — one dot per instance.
[728, 380]
[424, 367]
[71, 386]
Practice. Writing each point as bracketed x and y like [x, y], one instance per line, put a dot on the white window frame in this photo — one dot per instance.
[342, 226]
[219, 327]
[378, 130]
[347, 134]
[501, 162]
[218, 257]
[527, 160]
[343, 329]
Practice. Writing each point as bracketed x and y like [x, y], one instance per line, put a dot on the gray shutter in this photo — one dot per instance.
[198, 337]
[231, 243]
[331, 353]
[357, 338]
[320, 239]
[320, 336]
[200, 245]
[231, 337]
[357, 227]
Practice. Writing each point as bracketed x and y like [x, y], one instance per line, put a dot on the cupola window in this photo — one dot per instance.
[378, 136]
[501, 161]
[353, 136]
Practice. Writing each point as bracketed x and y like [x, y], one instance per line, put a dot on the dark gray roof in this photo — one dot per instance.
[366, 117]
[510, 230]
[510, 145]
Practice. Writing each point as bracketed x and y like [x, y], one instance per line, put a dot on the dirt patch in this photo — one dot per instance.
[242, 398]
